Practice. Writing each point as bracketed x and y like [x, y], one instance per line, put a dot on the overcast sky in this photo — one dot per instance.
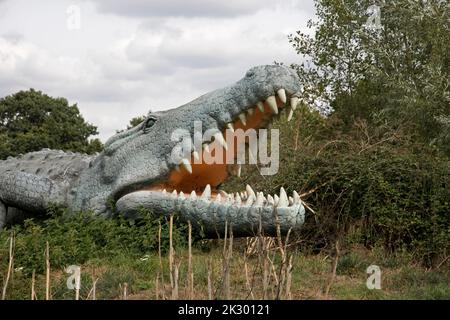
[118, 59]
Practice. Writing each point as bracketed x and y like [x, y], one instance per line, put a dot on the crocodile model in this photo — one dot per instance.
[136, 169]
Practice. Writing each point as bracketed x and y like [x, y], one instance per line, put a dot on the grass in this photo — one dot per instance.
[310, 276]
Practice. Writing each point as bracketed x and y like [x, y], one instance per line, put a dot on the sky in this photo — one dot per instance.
[119, 59]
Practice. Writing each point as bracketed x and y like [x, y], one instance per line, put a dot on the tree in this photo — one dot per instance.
[394, 72]
[31, 120]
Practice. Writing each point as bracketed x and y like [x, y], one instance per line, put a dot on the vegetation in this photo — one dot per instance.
[31, 121]
[374, 173]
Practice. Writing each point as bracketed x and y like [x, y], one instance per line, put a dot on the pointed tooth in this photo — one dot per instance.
[237, 199]
[181, 195]
[296, 197]
[283, 202]
[250, 200]
[291, 201]
[230, 127]
[239, 169]
[291, 113]
[276, 199]
[218, 137]
[250, 111]
[270, 200]
[193, 195]
[282, 95]
[187, 165]
[223, 193]
[206, 148]
[250, 191]
[259, 200]
[294, 103]
[243, 118]
[219, 198]
[174, 192]
[243, 195]
[164, 191]
[272, 102]
[260, 106]
[207, 192]
[230, 198]
[195, 155]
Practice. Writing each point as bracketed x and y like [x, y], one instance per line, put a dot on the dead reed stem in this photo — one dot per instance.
[171, 253]
[33, 280]
[47, 275]
[190, 279]
[210, 274]
[10, 265]
[333, 273]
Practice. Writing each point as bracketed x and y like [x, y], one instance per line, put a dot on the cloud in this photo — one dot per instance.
[119, 67]
[192, 8]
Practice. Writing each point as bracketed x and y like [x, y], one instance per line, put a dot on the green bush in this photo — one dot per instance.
[76, 239]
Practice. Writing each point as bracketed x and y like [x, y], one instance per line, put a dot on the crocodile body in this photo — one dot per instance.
[136, 169]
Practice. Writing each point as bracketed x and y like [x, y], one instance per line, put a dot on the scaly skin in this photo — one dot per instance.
[136, 166]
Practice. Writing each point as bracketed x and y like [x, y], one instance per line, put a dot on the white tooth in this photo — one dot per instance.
[243, 195]
[250, 111]
[187, 165]
[283, 202]
[223, 193]
[193, 195]
[250, 200]
[291, 113]
[219, 198]
[196, 155]
[291, 201]
[230, 127]
[218, 137]
[206, 148]
[294, 103]
[282, 95]
[230, 198]
[237, 199]
[207, 192]
[272, 102]
[243, 118]
[296, 197]
[250, 191]
[276, 199]
[270, 200]
[181, 195]
[239, 168]
[164, 191]
[260, 106]
[174, 192]
[259, 200]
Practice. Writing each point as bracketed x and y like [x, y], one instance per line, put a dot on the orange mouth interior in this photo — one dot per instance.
[213, 174]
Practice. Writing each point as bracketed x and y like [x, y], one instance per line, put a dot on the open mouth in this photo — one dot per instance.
[192, 186]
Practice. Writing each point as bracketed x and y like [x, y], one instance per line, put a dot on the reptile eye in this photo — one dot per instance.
[148, 124]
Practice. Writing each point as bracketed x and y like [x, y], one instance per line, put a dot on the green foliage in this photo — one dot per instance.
[397, 74]
[31, 121]
[79, 238]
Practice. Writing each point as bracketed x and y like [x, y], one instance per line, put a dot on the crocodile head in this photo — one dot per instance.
[139, 168]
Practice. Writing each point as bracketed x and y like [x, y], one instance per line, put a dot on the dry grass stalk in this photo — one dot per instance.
[47, 274]
[227, 255]
[125, 291]
[248, 283]
[289, 279]
[10, 265]
[171, 253]
[33, 281]
[333, 273]
[157, 287]
[190, 275]
[175, 278]
[93, 291]
[210, 275]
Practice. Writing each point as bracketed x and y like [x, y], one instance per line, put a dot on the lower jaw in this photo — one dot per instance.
[213, 214]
